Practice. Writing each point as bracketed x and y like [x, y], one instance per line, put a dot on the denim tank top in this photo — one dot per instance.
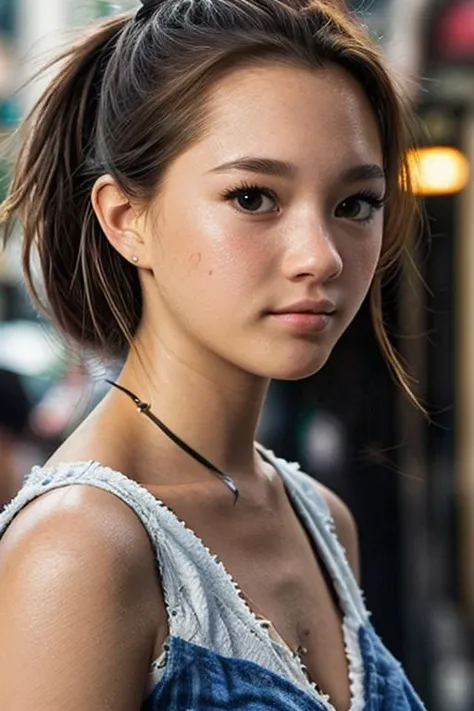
[219, 654]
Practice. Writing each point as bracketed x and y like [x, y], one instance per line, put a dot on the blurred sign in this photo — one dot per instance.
[107, 7]
[7, 17]
[369, 6]
[453, 33]
[375, 13]
[8, 104]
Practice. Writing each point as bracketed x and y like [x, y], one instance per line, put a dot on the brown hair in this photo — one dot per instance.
[128, 98]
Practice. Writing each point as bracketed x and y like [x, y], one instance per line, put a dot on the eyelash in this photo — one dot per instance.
[369, 196]
[376, 201]
[233, 193]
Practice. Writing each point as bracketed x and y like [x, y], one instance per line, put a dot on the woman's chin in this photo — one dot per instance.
[296, 368]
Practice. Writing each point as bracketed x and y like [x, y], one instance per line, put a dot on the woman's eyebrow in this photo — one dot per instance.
[364, 171]
[284, 169]
[265, 166]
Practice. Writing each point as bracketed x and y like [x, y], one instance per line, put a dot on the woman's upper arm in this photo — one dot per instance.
[77, 613]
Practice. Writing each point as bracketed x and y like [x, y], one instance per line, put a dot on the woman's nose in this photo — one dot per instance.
[312, 254]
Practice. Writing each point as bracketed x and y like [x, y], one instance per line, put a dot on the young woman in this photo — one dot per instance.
[213, 187]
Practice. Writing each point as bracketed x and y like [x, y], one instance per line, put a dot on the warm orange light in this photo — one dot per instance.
[440, 170]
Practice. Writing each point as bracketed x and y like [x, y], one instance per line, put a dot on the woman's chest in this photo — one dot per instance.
[292, 594]
[278, 571]
[275, 566]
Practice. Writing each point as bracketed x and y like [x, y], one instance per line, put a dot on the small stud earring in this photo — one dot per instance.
[135, 259]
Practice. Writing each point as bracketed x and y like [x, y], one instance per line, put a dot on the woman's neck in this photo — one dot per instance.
[215, 411]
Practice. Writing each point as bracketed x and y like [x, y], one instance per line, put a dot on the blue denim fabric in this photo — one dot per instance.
[220, 656]
[197, 679]
[386, 686]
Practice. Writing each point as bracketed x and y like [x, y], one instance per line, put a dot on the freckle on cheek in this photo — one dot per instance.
[210, 272]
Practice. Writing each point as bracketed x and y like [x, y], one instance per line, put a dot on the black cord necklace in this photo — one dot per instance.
[144, 409]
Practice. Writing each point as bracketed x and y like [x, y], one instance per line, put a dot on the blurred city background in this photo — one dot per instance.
[409, 480]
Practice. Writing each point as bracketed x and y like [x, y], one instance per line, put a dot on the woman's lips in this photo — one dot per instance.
[308, 321]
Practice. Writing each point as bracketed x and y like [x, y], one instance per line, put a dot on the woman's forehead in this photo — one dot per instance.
[295, 115]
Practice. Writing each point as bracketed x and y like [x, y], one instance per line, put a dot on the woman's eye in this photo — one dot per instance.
[359, 208]
[252, 200]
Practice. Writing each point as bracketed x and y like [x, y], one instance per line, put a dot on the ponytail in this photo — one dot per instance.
[87, 285]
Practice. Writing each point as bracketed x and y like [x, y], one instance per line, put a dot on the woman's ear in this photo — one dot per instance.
[119, 221]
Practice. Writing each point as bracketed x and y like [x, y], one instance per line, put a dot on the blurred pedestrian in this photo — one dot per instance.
[213, 186]
[15, 410]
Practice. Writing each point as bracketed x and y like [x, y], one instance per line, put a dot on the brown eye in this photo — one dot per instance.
[359, 208]
[252, 200]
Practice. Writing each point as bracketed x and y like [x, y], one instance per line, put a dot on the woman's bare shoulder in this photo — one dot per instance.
[72, 517]
[78, 601]
[346, 527]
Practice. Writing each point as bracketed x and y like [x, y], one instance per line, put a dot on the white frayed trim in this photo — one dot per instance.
[350, 631]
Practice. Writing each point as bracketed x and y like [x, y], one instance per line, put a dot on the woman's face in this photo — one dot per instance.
[267, 231]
